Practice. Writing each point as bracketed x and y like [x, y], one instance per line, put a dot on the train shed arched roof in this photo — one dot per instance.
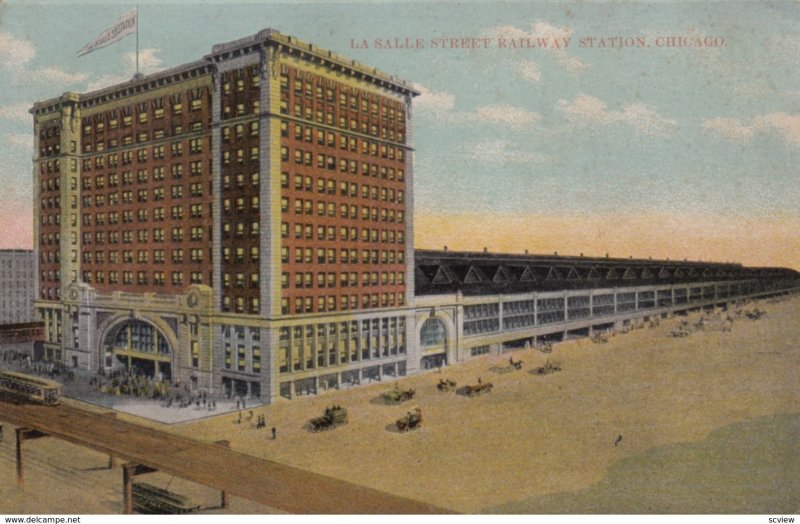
[484, 273]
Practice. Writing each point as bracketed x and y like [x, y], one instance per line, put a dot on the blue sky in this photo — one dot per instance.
[581, 131]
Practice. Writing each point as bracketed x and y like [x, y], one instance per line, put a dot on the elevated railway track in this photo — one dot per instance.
[145, 450]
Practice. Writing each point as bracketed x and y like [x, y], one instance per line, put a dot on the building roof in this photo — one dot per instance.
[484, 273]
[265, 37]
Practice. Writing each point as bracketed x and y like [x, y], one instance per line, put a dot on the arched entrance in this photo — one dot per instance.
[138, 346]
[433, 344]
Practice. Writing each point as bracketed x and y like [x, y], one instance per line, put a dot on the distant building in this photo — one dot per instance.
[17, 286]
[244, 224]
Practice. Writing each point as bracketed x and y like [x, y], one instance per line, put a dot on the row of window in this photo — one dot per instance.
[346, 256]
[244, 355]
[51, 183]
[346, 279]
[311, 134]
[143, 278]
[157, 194]
[238, 254]
[317, 88]
[241, 109]
[327, 115]
[320, 345]
[143, 111]
[240, 204]
[238, 155]
[50, 220]
[142, 176]
[176, 255]
[239, 280]
[51, 293]
[240, 229]
[241, 304]
[51, 202]
[241, 77]
[51, 275]
[195, 234]
[348, 234]
[327, 186]
[238, 131]
[304, 206]
[240, 179]
[141, 215]
[329, 162]
[50, 238]
[98, 146]
[345, 302]
[48, 256]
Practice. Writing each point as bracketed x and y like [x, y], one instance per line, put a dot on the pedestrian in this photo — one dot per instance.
[274, 433]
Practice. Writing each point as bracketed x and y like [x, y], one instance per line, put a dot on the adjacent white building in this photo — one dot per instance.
[17, 287]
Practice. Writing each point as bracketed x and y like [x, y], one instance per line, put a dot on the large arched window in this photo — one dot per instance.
[141, 336]
[432, 333]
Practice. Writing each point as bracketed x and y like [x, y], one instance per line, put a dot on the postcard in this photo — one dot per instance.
[393, 257]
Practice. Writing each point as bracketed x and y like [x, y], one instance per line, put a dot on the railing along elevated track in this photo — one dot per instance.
[145, 449]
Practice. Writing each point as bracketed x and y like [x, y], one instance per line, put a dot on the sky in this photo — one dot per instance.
[659, 129]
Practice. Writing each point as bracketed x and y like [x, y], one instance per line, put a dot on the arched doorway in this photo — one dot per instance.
[138, 346]
[433, 344]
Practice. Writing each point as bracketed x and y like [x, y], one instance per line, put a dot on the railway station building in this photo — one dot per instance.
[243, 224]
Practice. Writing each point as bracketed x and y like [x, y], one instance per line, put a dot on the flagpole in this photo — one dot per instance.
[137, 39]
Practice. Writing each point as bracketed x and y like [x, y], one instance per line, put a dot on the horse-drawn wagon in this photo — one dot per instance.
[333, 416]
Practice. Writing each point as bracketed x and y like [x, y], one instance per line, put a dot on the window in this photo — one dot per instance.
[196, 145]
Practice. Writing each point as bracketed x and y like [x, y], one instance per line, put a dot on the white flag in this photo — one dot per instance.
[121, 28]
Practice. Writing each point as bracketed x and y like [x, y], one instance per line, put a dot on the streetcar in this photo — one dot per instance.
[32, 389]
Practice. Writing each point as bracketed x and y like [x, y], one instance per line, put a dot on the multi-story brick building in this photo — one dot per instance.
[244, 212]
[17, 289]
[244, 224]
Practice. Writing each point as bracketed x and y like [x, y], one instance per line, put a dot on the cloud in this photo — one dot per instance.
[528, 70]
[15, 52]
[49, 76]
[438, 104]
[106, 81]
[543, 32]
[647, 120]
[728, 128]
[501, 152]
[786, 126]
[783, 48]
[570, 62]
[589, 111]
[148, 61]
[441, 104]
[17, 112]
[15, 57]
[502, 114]
[24, 140]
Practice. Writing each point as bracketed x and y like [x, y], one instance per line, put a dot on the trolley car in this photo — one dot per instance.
[32, 389]
[152, 500]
